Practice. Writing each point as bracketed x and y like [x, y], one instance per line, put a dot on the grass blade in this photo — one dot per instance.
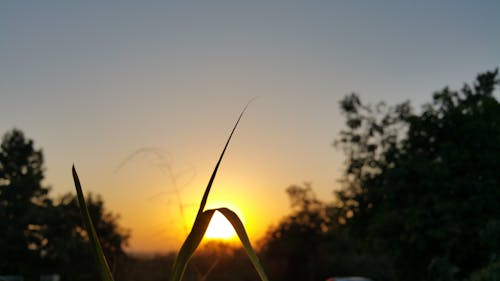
[190, 244]
[238, 226]
[202, 221]
[212, 177]
[104, 269]
[196, 235]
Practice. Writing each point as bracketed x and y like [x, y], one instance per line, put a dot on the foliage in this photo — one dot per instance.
[22, 197]
[212, 261]
[222, 262]
[489, 273]
[102, 264]
[44, 235]
[291, 247]
[424, 187]
[69, 241]
[312, 243]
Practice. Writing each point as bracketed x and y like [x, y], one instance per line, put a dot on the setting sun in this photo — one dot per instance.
[220, 228]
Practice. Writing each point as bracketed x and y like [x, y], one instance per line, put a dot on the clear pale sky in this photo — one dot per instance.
[92, 82]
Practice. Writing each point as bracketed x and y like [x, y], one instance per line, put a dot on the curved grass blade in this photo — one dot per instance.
[190, 244]
[202, 217]
[196, 235]
[238, 226]
[212, 177]
[104, 270]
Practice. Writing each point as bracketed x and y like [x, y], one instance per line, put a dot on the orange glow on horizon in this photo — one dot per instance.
[167, 228]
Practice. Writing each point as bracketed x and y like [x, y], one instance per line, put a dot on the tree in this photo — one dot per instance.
[312, 243]
[42, 235]
[67, 239]
[425, 186]
[22, 197]
[291, 248]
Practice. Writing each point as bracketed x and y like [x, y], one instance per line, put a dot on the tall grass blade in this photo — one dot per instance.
[185, 252]
[196, 235]
[202, 221]
[238, 226]
[190, 244]
[212, 177]
[104, 269]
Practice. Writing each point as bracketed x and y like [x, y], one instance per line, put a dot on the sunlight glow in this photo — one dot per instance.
[220, 228]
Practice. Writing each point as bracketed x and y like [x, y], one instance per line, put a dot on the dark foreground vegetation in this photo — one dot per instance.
[419, 201]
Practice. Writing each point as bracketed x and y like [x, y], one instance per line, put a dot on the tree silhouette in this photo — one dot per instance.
[425, 186]
[22, 197]
[291, 248]
[42, 235]
[67, 239]
[312, 243]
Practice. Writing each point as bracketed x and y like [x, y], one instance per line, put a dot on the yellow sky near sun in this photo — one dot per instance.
[162, 215]
[220, 228]
[163, 231]
[158, 205]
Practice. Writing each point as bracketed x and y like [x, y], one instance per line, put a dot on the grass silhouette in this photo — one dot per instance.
[194, 237]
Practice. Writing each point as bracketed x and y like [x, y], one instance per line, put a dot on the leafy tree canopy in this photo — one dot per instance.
[44, 235]
[22, 197]
[425, 186]
[419, 197]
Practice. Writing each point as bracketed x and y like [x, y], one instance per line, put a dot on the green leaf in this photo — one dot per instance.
[196, 235]
[203, 219]
[212, 177]
[190, 244]
[238, 226]
[89, 226]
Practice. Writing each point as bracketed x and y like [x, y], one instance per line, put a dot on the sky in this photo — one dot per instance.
[141, 95]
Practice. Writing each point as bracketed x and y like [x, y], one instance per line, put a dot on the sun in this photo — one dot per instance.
[220, 228]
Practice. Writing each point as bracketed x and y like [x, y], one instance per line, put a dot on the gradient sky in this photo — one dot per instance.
[92, 82]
